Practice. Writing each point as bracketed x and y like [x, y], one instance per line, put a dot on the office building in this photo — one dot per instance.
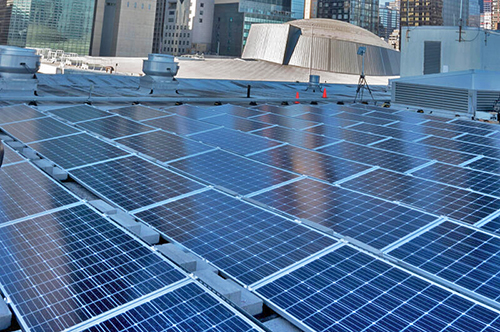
[388, 19]
[436, 12]
[363, 13]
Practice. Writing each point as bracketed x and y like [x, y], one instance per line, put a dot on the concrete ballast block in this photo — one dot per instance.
[45, 165]
[103, 207]
[30, 154]
[5, 315]
[127, 221]
[59, 174]
[222, 286]
[250, 303]
[174, 253]
[149, 235]
[201, 265]
[18, 146]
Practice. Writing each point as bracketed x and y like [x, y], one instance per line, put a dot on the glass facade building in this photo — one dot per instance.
[363, 13]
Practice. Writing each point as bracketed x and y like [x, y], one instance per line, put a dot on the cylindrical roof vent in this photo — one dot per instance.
[18, 63]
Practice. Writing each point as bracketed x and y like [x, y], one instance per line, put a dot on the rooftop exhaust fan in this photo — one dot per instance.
[160, 71]
[18, 68]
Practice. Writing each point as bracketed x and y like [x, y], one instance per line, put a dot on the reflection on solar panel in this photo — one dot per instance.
[284, 121]
[345, 134]
[79, 113]
[432, 197]
[236, 110]
[76, 150]
[463, 146]
[405, 116]
[374, 157]
[133, 183]
[424, 151]
[459, 254]
[488, 141]
[180, 125]
[424, 130]
[370, 108]
[25, 190]
[64, 268]
[10, 156]
[486, 164]
[295, 137]
[163, 146]
[347, 290]
[18, 113]
[188, 308]
[464, 178]
[360, 118]
[193, 112]
[328, 120]
[457, 128]
[304, 108]
[364, 218]
[235, 173]
[38, 129]
[388, 131]
[235, 141]
[242, 240]
[310, 163]
[137, 112]
[285, 111]
[475, 124]
[234, 122]
[114, 127]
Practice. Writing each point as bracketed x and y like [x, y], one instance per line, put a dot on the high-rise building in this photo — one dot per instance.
[388, 19]
[159, 30]
[363, 13]
[434, 12]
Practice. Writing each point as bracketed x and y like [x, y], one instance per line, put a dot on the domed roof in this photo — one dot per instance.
[330, 28]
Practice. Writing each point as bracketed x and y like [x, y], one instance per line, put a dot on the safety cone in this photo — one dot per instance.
[324, 93]
[297, 97]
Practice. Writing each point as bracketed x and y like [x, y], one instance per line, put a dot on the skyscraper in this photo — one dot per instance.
[388, 19]
[363, 13]
[434, 12]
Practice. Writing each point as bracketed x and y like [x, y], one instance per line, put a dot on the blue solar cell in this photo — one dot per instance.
[459, 254]
[76, 150]
[38, 129]
[364, 218]
[244, 241]
[188, 308]
[486, 164]
[375, 157]
[138, 112]
[234, 122]
[10, 156]
[424, 130]
[457, 145]
[133, 183]
[237, 110]
[163, 146]
[285, 111]
[235, 141]
[232, 172]
[361, 118]
[310, 163]
[436, 198]
[347, 290]
[304, 108]
[491, 141]
[327, 120]
[295, 137]
[25, 190]
[388, 132]
[115, 127]
[476, 124]
[15, 113]
[66, 267]
[424, 151]
[180, 125]
[457, 128]
[284, 121]
[193, 112]
[79, 113]
[405, 116]
[375, 108]
[345, 134]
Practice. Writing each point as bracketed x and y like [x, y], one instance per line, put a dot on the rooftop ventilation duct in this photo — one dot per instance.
[160, 70]
[18, 67]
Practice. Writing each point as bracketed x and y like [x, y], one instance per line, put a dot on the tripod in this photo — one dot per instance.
[362, 83]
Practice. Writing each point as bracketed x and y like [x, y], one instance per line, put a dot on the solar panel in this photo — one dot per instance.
[457, 145]
[234, 122]
[10, 156]
[423, 130]
[193, 112]
[64, 268]
[180, 125]
[233, 172]
[311, 163]
[76, 150]
[115, 127]
[236, 110]
[244, 241]
[15, 113]
[285, 111]
[461, 177]
[295, 137]
[492, 226]
[364, 154]
[360, 118]
[25, 190]
[486, 164]
[38, 129]
[133, 183]
[79, 113]
[345, 134]
[475, 124]
[188, 308]
[164, 146]
[328, 120]
[457, 128]
[491, 141]
[235, 141]
[459, 254]
[364, 218]
[424, 151]
[370, 108]
[405, 116]
[388, 131]
[284, 121]
[304, 108]
[436, 198]
[347, 290]
[138, 112]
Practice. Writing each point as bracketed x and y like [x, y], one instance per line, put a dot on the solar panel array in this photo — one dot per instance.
[10, 156]
[264, 194]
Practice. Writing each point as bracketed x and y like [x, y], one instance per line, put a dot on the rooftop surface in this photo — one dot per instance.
[348, 217]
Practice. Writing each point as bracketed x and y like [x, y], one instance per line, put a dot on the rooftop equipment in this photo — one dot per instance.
[160, 71]
[18, 67]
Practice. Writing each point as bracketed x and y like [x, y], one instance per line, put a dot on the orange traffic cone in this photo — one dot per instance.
[324, 93]
[297, 97]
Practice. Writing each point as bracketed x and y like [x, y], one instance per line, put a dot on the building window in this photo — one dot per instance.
[202, 5]
[201, 12]
[201, 20]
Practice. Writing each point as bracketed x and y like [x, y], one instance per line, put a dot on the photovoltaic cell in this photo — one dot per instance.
[115, 127]
[66, 267]
[459, 254]
[405, 116]
[457, 128]
[163, 146]
[436, 198]
[476, 124]
[133, 183]
[345, 134]
[10, 156]
[285, 111]
[348, 290]
[192, 112]
[235, 173]
[25, 190]
[234, 122]
[360, 118]
[364, 218]
[304, 108]
[295, 137]
[18, 113]
[236, 110]
[76, 150]
[388, 132]
[38, 129]
[311, 163]
[235, 141]
[242, 240]
[486, 164]
[457, 145]
[424, 151]
[370, 108]
[284, 121]
[188, 308]
[79, 113]
[375, 157]
[424, 130]
[481, 140]
[327, 120]
[138, 112]
[180, 125]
